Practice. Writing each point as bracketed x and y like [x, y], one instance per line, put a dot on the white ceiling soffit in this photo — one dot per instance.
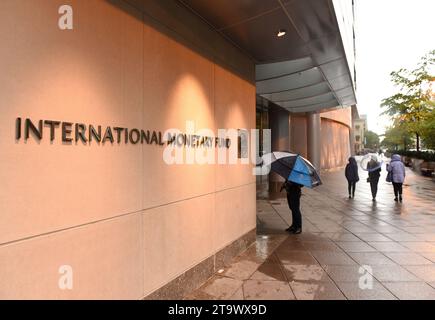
[307, 69]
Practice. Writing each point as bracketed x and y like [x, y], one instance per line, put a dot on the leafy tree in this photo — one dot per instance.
[372, 140]
[414, 102]
[428, 131]
[397, 137]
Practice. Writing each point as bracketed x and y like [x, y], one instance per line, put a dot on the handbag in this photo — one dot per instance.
[389, 176]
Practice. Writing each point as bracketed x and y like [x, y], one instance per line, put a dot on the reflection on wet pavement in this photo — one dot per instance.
[349, 248]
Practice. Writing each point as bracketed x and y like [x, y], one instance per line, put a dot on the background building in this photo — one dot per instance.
[360, 127]
[118, 218]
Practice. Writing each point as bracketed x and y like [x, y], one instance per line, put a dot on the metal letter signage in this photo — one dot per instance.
[85, 134]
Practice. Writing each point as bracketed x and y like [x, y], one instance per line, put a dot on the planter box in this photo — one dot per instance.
[407, 161]
[427, 168]
[416, 163]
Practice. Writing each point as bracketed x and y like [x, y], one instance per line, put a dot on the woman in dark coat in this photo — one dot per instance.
[374, 173]
[352, 177]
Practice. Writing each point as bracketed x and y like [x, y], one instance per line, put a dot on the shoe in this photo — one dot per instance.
[374, 199]
[395, 199]
[400, 198]
[290, 229]
[296, 231]
[350, 197]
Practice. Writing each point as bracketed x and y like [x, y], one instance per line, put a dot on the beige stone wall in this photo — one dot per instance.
[298, 135]
[122, 219]
[335, 138]
[335, 146]
[343, 116]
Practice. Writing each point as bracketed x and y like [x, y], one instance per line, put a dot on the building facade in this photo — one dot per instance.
[360, 127]
[89, 208]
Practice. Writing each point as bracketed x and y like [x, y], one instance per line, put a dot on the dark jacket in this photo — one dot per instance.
[376, 173]
[351, 171]
[293, 189]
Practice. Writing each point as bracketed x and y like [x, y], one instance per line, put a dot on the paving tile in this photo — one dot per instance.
[411, 290]
[388, 246]
[221, 287]
[238, 295]
[403, 237]
[316, 291]
[355, 247]
[199, 295]
[419, 246]
[241, 270]
[296, 257]
[363, 229]
[345, 273]
[391, 273]
[269, 271]
[429, 255]
[376, 237]
[426, 236]
[333, 258]
[425, 273]
[352, 291]
[371, 258]
[291, 245]
[386, 229]
[342, 236]
[407, 258]
[267, 290]
[320, 246]
[305, 273]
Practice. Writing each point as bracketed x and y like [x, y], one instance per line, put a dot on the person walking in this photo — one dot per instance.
[397, 170]
[374, 169]
[294, 193]
[351, 173]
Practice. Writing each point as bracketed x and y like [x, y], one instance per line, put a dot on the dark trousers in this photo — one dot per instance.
[351, 185]
[374, 186]
[294, 201]
[397, 189]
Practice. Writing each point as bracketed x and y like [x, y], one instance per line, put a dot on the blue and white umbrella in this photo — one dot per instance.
[371, 162]
[292, 167]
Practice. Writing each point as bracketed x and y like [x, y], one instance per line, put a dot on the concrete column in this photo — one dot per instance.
[279, 120]
[352, 139]
[314, 138]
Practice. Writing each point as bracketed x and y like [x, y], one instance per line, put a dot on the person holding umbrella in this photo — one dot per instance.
[297, 172]
[294, 193]
[374, 169]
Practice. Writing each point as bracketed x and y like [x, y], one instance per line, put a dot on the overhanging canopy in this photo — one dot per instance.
[307, 69]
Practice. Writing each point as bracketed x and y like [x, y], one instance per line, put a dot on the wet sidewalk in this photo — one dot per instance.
[349, 248]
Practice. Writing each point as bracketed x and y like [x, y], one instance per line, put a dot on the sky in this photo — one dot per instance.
[390, 34]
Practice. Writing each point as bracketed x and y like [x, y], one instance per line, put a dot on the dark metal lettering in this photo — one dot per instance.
[29, 126]
[80, 132]
[66, 131]
[136, 139]
[145, 136]
[93, 133]
[52, 124]
[160, 139]
[154, 138]
[108, 135]
[18, 129]
[118, 133]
